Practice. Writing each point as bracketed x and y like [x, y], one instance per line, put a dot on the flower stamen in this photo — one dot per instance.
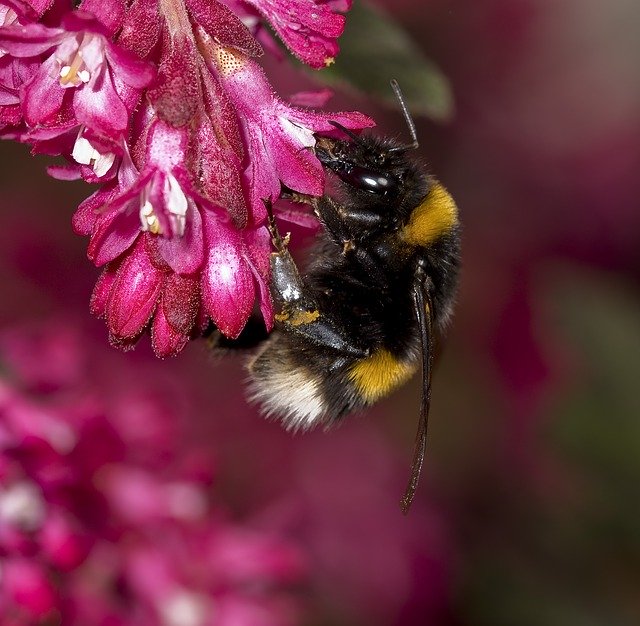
[149, 219]
[75, 73]
[85, 153]
[72, 75]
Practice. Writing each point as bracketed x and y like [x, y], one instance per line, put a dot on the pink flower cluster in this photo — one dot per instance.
[162, 103]
[105, 515]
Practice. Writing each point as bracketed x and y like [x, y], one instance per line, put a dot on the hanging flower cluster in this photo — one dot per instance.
[162, 103]
[105, 512]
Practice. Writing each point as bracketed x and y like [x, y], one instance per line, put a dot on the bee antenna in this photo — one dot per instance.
[346, 131]
[407, 117]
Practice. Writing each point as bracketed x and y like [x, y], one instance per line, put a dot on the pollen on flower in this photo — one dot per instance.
[148, 218]
[329, 61]
[229, 62]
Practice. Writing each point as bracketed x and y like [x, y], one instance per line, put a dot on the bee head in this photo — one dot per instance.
[365, 163]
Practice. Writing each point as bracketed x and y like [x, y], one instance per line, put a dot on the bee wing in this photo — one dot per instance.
[424, 312]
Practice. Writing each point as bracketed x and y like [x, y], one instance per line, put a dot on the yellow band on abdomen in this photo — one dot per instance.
[378, 375]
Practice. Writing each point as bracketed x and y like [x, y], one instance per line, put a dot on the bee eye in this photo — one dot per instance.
[369, 180]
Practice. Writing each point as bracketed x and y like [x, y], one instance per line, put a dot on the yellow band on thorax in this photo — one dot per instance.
[436, 216]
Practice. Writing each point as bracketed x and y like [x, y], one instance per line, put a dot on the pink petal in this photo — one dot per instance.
[227, 283]
[8, 96]
[98, 106]
[42, 96]
[259, 253]
[321, 122]
[64, 172]
[102, 290]
[175, 94]
[180, 302]
[141, 28]
[297, 214]
[297, 167]
[165, 146]
[220, 169]
[318, 98]
[261, 177]
[224, 26]
[81, 21]
[113, 234]
[40, 6]
[176, 315]
[29, 40]
[134, 294]
[151, 244]
[86, 215]
[11, 114]
[185, 254]
[56, 139]
[308, 28]
[22, 9]
[129, 68]
[109, 12]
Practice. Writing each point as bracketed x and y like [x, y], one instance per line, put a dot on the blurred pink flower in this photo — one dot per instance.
[103, 521]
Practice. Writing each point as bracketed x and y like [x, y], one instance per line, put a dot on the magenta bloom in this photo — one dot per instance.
[164, 105]
[105, 512]
[14, 72]
[81, 65]
[185, 242]
[309, 28]
[280, 138]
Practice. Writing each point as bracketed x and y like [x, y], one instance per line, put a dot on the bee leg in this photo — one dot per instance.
[299, 312]
[287, 288]
[329, 214]
[342, 230]
[423, 304]
[343, 223]
[322, 331]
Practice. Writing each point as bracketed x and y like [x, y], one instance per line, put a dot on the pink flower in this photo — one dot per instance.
[82, 67]
[182, 257]
[309, 28]
[118, 527]
[14, 72]
[279, 138]
[180, 243]
[186, 152]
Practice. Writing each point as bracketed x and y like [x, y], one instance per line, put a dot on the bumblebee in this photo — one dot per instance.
[377, 294]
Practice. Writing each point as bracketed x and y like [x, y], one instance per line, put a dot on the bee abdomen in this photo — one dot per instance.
[284, 388]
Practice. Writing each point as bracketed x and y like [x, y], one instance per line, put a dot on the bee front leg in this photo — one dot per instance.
[298, 310]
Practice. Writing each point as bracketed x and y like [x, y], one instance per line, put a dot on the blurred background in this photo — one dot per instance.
[528, 512]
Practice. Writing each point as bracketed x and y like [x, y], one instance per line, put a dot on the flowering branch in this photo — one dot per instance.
[162, 103]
